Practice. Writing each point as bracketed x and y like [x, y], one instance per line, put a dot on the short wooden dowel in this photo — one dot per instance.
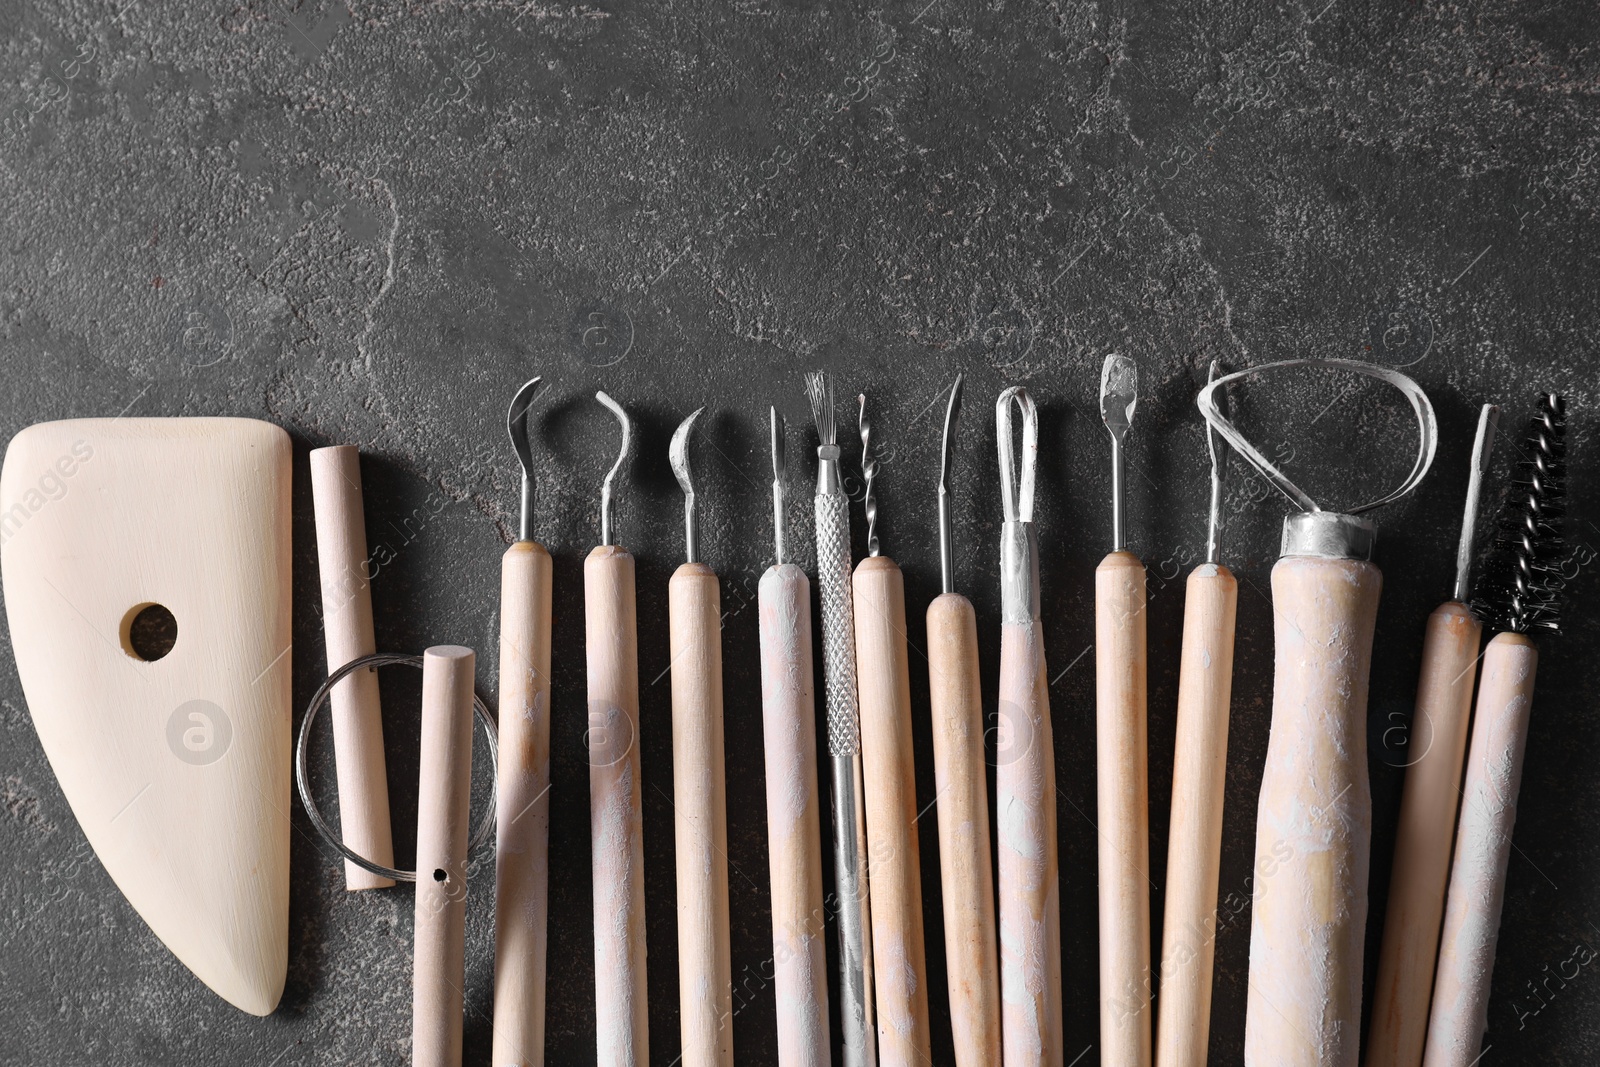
[1194, 847]
[444, 792]
[522, 854]
[342, 564]
[1459, 1015]
[794, 841]
[884, 689]
[1421, 873]
[705, 987]
[616, 819]
[967, 878]
[1121, 760]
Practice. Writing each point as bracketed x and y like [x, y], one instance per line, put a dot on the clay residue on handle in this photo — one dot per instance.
[1314, 822]
[1030, 916]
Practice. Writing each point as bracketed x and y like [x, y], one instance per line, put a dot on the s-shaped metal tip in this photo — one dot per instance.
[1219, 476]
[622, 457]
[517, 427]
[946, 549]
[869, 473]
[777, 486]
[678, 456]
[1119, 395]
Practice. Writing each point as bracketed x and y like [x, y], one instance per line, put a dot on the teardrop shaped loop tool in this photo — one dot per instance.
[1019, 565]
[1314, 531]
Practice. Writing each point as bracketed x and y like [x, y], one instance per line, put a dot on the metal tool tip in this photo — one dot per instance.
[678, 452]
[517, 423]
[622, 457]
[949, 430]
[1119, 392]
[777, 443]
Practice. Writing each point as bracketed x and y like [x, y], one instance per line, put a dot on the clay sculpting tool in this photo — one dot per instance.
[1521, 586]
[616, 818]
[794, 845]
[966, 877]
[1199, 771]
[444, 792]
[1121, 752]
[173, 755]
[522, 853]
[884, 683]
[1025, 769]
[1437, 747]
[832, 511]
[705, 983]
[1314, 821]
[347, 632]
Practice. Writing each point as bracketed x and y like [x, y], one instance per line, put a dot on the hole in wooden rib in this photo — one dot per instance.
[149, 632]
[438, 874]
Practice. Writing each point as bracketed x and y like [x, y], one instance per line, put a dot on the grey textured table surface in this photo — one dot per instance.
[369, 225]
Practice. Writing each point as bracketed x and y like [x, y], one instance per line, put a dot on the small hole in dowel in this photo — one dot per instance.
[439, 875]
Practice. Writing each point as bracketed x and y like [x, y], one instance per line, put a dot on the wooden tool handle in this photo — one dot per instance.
[1025, 817]
[1121, 748]
[444, 792]
[1194, 849]
[616, 819]
[1314, 823]
[883, 685]
[347, 632]
[1460, 1012]
[794, 842]
[1422, 845]
[522, 854]
[705, 984]
[963, 799]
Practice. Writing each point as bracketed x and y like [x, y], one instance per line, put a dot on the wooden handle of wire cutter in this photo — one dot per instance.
[1460, 1012]
[884, 691]
[347, 634]
[522, 852]
[1025, 817]
[1123, 790]
[616, 819]
[1422, 845]
[1314, 822]
[705, 984]
[794, 841]
[1194, 848]
[444, 792]
[956, 704]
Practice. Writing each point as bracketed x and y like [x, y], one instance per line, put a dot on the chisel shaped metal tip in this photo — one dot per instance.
[1119, 395]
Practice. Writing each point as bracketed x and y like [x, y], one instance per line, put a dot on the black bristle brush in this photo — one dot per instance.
[1520, 589]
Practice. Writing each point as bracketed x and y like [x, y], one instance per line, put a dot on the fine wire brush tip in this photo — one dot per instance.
[1521, 583]
[819, 390]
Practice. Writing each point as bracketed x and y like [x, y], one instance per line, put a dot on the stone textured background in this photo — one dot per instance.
[369, 224]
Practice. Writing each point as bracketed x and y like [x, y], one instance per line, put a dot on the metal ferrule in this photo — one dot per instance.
[525, 527]
[1328, 535]
[828, 483]
[947, 563]
[1019, 573]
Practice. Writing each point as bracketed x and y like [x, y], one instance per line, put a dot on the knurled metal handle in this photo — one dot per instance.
[838, 625]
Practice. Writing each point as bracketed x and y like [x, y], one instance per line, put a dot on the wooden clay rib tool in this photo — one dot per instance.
[444, 792]
[1428, 804]
[522, 848]
[1522, 586]
[832, 510]
[347, 632]
[1199, 770]
[705, 983]
[794, 843]
[1121, 757]
[616, 819]
[1025, 770]
[177, 765]
[967, 879]
[1314, 822]
[889, 773]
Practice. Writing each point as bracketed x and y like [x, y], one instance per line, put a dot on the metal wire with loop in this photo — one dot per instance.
[301, 778]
